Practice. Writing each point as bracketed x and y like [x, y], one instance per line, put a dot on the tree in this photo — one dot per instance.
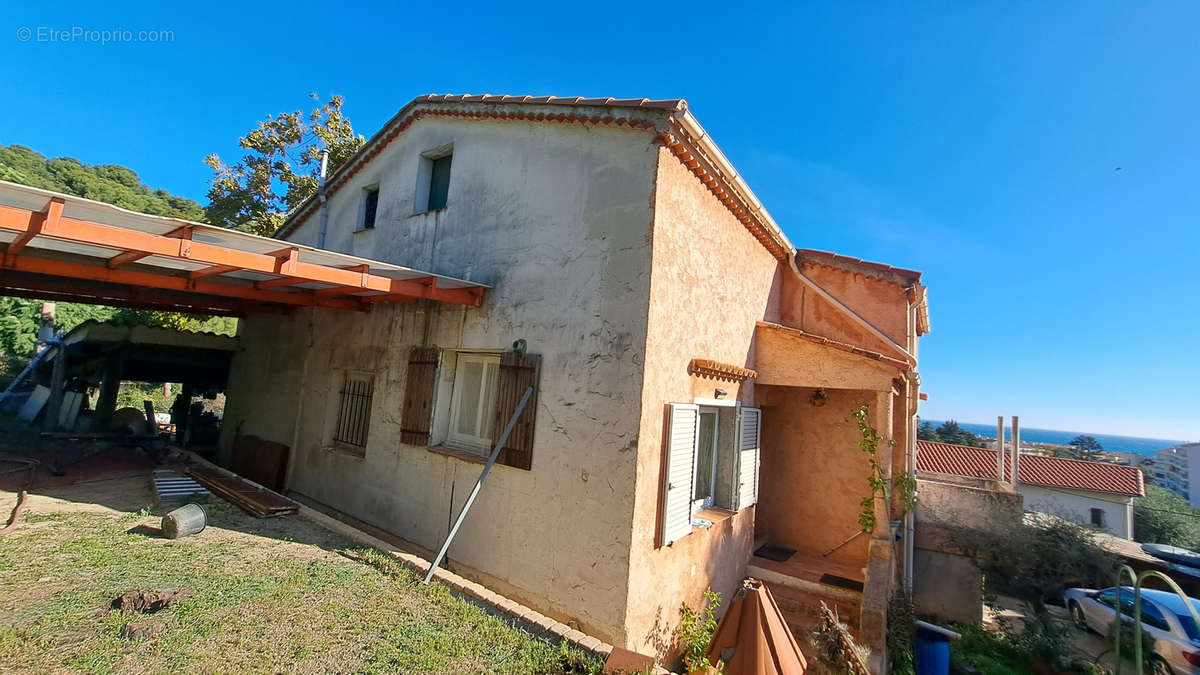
[926, 432]
[1163, 517]
[950, 432]
[1086, 447]
[281, 168]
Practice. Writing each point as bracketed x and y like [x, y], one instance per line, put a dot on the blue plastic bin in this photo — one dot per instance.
[933, 653]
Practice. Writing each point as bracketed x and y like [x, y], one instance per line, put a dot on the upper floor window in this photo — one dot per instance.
[433, 180]
[370, 206]
[439, 183]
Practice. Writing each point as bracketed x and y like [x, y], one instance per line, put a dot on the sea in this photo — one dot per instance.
[1111, 443]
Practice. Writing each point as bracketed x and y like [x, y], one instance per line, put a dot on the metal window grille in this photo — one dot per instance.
[354, 410]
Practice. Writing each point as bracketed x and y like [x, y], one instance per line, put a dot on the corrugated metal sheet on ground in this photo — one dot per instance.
[173, 486]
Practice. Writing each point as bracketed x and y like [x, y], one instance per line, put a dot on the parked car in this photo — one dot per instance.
[1165, 618]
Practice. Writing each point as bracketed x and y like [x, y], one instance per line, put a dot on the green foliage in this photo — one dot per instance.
[1039, 559]
[19, 318]
[696, 629]
[281, 167]
[1081, 447]
[902, 632]
[877, 482]
[109, 183]
[949, 432]
[1163, 517]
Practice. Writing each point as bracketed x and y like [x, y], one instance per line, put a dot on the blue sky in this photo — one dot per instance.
[975, 141]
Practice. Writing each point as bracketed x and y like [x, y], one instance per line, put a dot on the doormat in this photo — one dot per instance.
[776, 553]
[841, 582]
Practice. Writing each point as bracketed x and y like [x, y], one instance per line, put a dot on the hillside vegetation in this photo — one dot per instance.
[108, 183]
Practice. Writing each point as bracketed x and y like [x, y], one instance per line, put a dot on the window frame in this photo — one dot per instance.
[1097, 515]
[362, 225]
[353, 439]
[425, 183]
[467, 442]
[706, 502]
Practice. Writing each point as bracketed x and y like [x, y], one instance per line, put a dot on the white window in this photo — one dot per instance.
[712, 460]
[473, 401]
[705, 482]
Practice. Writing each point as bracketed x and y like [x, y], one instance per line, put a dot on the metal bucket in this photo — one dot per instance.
[183, 521]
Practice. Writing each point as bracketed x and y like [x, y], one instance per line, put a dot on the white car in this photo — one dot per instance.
[1165, 617]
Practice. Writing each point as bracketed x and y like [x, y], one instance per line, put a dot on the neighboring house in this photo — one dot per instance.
[1096, 494]
[693, 372]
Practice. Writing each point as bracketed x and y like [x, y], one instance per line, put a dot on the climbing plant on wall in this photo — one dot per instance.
[904, 482]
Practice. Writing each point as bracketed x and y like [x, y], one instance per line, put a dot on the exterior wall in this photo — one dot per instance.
[557, 217]
[946, 583]
[1076, 506]
[813, 474]
[711, 282]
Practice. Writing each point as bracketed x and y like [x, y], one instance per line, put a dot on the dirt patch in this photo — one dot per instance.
[146, 601]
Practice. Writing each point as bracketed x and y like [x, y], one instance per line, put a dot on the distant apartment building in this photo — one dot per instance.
[1171, 471]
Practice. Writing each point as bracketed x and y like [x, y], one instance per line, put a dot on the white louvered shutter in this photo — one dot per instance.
[677, 478]
[748, 442]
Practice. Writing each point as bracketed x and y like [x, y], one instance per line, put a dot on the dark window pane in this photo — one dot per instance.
[369, 209]
[439, 183]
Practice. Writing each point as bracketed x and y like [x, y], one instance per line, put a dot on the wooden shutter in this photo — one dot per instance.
[748, 442]
[682, 434]
[518, 372]
[418, 396]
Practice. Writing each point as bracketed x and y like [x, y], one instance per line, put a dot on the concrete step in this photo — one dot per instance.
[801, 610]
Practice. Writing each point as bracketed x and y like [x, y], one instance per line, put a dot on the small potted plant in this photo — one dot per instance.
[696, 632]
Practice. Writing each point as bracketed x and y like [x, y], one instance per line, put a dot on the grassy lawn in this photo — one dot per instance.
[258, 595]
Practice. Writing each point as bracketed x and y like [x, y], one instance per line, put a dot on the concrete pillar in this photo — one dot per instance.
[106, 405]
[58, 380]
[1000, 448]
[1016, 451]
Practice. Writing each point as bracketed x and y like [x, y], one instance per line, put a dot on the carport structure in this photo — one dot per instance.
[60, 247]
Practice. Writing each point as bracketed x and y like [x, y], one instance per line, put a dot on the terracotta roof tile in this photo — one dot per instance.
[1073, 474]
[844, 261]
[664, 104]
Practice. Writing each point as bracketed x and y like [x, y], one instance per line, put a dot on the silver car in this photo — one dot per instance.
[1164, 617]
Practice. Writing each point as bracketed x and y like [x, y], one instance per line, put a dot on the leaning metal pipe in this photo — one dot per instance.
[462, 515]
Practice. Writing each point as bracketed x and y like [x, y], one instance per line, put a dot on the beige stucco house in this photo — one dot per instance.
[694, 372]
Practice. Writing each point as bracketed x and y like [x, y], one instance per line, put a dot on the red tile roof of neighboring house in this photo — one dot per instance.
[1056, 472]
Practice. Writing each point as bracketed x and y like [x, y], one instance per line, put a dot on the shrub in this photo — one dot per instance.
[697, 628]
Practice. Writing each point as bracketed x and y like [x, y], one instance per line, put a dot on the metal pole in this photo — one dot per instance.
[462, 515]
[324, 223]
[1000, 448]
[58, 380]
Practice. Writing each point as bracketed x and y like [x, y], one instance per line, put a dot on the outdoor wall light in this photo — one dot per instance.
[818, 398]
[720, 394]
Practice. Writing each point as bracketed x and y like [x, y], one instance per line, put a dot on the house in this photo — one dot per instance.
[693, 372]
[1096, 494]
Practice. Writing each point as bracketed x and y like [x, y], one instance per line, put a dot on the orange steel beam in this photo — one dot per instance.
[212, 271]
[45, 221]
[127, 257]
[22, 284]
[174, 283]
[284, 262]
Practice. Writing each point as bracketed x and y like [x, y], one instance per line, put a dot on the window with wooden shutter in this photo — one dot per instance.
[748, 442]
[418, 396]
[518, 372]
[682, 432]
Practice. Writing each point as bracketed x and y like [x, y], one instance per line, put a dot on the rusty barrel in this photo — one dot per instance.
[183, 521]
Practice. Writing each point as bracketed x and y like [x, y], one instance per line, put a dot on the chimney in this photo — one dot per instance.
[1000, 448]
[1016, 451]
